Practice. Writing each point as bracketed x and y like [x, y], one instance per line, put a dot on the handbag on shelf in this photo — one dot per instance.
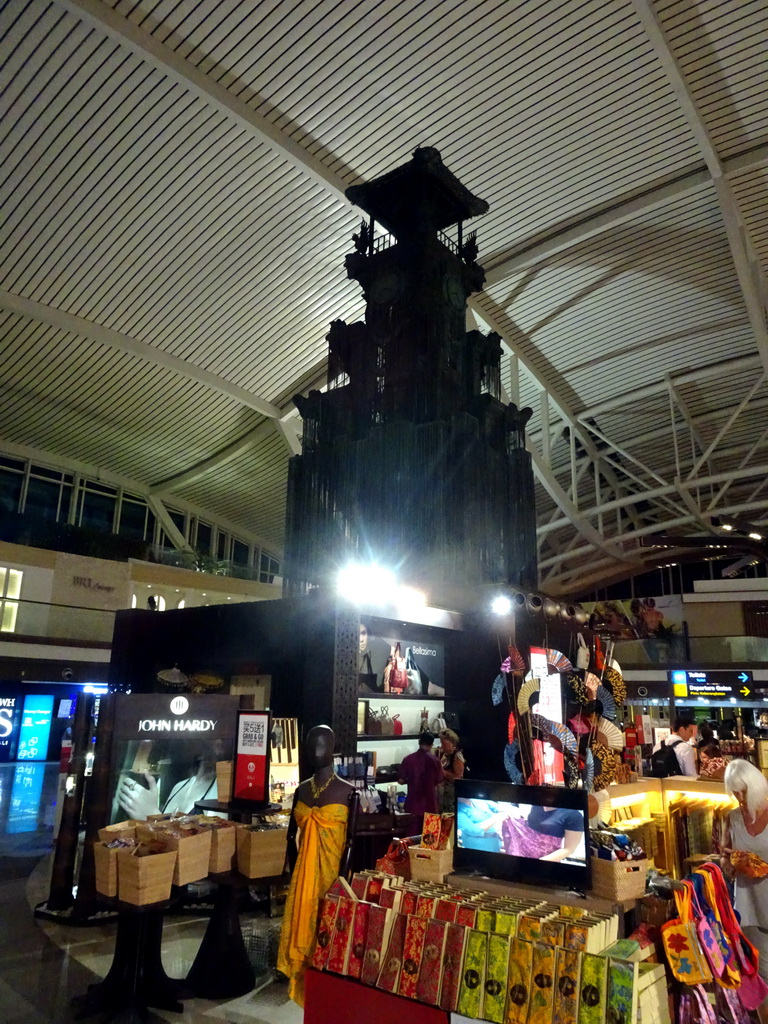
[413, 674]
[396, 860]
[373, 723]
[367, 680]
[386, 723]
[681, 944]
[397, 726]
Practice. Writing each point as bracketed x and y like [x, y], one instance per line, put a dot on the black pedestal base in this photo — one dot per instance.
[136, 979]
[222, 969]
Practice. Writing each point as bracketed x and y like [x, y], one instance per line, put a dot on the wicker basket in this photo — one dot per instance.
[106, 869]
[619, 879]
[144, 880]
[194, 852]
[261, 854]
[430, 865]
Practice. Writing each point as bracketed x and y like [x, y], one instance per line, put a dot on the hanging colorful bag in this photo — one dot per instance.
[695, 1007]
[582, 652]
[753, 989]
[707, 940]
[681, 944]
[729, 976]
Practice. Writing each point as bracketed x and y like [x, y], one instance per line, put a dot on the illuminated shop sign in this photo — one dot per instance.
[35, 728]
[10, 716]
[714, 684]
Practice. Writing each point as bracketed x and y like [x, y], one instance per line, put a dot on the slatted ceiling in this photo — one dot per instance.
[751, 191]
[48, 375]
[721, 49]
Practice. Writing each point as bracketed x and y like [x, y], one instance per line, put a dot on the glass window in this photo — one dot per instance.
[133, 518]
[269, 567]
[179, 521]
[239, 552]
[10, 489]
[204, 538]
[97, 510]
[43, 498]
[221, 546]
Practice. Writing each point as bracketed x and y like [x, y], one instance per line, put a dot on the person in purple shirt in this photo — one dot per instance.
[421, 772]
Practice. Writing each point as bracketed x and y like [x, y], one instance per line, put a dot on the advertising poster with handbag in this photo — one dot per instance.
[400, 665]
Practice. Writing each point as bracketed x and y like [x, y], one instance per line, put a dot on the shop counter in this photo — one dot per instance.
[333, 999]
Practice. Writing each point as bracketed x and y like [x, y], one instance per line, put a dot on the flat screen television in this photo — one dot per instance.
[522, 833]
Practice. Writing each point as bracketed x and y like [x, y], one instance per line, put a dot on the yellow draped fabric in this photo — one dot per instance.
[321, 844]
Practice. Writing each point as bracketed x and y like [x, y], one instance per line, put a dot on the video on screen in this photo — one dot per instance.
[521, 830]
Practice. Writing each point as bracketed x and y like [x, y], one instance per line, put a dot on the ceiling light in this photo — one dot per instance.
[501, 605]
[726, 526]
[362, 583]
[753, 535]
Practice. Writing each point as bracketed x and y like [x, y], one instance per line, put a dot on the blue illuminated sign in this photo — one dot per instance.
[35, 728]
[24, 809]
[10, 715]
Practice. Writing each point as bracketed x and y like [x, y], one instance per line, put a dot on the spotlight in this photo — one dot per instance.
[753, 535]
[409, 598]
[726, 526]
[501, 605]
[360, 583]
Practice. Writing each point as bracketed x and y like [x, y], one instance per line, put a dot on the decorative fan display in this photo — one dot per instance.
[579, 725]
[497, 690]
[606, 763]
[589, 770]
[173, 678]
[526, 693]
[511, 757]
[606, 705]
[557, 661]
[592, 682]
[614, 680]
[555, 732]
[511, 727]
[516, 660]
[610, 734]
[571, 772]
[578, 688]
[599, 807]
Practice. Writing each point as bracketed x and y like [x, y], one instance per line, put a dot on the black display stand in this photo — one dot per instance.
[222, 969]
[136, 980]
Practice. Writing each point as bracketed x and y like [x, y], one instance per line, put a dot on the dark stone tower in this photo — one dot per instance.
[410, 459]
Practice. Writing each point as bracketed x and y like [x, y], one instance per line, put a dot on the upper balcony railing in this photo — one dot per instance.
[693, 650]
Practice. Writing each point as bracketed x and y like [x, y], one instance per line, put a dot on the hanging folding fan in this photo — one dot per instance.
[497, 690]
[511, 727]
[606, 705]
[516, 660]
[511, 763]
[589, 771]
[526, 694]
[579, 725]
[557, 661]
[610, 734]
[599, 808]
[578, 688]
[555, 732]
[591, 681]
[606, 763]
[614, 680]
[571, 773]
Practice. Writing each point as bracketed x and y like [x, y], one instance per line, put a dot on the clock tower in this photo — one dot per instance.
[410, 458]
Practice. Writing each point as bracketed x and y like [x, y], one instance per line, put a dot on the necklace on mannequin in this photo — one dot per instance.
[317, 790]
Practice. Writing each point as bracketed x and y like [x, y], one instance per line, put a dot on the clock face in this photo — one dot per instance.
[386, 288]
[454, 292]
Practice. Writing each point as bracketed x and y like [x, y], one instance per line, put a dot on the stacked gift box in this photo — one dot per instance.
[504, 959]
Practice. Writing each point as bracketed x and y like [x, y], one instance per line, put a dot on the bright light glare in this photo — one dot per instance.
[726, 526]
[409, 597]
[755, 536]
[360, 583]
[501, 605]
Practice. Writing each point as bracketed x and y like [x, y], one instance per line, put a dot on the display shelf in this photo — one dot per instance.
[402, 736]
[401, 696]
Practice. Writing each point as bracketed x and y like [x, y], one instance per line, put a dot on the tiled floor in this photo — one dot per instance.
[43, 965]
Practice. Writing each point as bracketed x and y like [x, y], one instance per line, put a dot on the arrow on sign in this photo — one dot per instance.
[743, 677]
[745, 691]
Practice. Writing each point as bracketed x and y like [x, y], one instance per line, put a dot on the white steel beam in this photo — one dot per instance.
[140, 349]
[172, 531]
[178, 69]
[753, 301]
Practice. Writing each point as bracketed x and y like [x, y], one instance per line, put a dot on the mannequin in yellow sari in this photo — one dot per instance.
[324, 812]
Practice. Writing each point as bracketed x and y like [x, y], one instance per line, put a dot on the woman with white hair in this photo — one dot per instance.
[748, 834]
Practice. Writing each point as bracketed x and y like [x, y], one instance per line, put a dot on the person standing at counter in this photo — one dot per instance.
[452, 760]
[681, 759]
[422, 773]
[745, 853]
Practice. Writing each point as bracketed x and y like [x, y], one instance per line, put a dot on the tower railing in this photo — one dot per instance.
[381, 242]
[448, 242]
